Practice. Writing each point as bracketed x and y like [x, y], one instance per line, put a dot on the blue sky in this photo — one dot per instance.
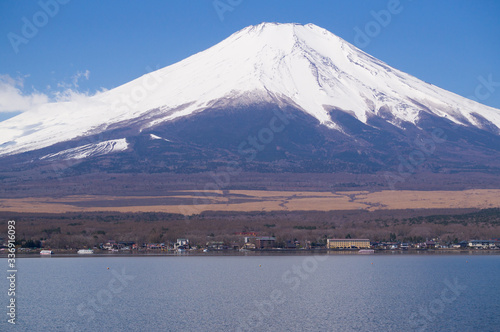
[84, 46]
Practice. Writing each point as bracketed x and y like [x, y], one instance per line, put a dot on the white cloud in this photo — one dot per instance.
[13, 99]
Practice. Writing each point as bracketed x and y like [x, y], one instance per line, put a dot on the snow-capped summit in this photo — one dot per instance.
[303, 66]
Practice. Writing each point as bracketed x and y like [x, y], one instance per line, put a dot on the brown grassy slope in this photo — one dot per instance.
[195, 202]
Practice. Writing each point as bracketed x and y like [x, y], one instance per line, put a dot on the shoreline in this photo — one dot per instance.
[269, 252]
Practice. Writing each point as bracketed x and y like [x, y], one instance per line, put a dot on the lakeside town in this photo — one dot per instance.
[251, 242]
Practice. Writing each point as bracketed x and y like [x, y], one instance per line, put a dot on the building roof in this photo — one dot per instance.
[483, 241]
[348, 239]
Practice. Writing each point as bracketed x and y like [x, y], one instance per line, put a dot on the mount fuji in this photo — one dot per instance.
[271, 98]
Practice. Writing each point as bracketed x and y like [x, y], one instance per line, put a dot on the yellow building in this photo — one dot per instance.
[347, 243]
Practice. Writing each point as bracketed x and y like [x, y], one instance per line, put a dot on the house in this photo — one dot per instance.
[404, 246]
[249, 245]
[154, 246]
[463, 244]
[386, 245]
[109, 245]
[265, 242]
[430, 245]
[216, 245]
[182, 244]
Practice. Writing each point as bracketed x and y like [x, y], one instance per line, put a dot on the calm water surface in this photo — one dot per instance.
[268, 293]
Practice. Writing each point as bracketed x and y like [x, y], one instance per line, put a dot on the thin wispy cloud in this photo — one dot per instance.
[75, 80]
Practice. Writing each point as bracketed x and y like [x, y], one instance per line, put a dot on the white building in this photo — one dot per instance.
[182, 243]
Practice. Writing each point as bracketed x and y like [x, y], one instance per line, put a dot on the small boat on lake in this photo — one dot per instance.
[46, 252]
[366, 251]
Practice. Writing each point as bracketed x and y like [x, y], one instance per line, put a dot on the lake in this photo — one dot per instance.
[267, 293]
